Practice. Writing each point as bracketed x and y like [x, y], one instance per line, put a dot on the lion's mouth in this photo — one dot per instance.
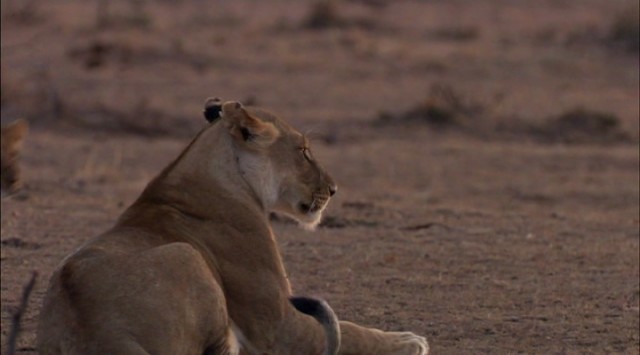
[306, 208]
[316, 205]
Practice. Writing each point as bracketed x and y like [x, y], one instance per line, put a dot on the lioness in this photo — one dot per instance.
[12, 136]
[192, 267]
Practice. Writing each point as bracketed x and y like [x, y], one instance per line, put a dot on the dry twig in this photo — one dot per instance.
[17, 315]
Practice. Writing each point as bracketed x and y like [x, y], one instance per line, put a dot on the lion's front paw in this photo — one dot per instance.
[407, 343]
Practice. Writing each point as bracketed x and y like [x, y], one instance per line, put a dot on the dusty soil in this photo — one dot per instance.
[486, 153]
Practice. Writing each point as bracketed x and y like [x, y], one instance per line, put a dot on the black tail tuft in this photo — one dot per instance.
[322, 312]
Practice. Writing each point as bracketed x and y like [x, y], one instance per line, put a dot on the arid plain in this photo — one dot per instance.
[486, 152]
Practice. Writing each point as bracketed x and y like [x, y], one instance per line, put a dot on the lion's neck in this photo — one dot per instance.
[222, 218]
[205, 182]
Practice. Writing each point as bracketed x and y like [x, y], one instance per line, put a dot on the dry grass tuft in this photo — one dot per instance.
[22, 11]
[137, 16]
[455, 33]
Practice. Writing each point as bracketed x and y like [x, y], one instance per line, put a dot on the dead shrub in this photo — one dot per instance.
[24, 12]
[625, 28]
[139, 117]
[97, 53]
[623, 31]
[324, 14]
[581, 125]
[33, 96]
[443, 107]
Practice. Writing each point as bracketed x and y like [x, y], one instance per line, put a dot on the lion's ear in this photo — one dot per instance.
[212, 109]
[246, 127]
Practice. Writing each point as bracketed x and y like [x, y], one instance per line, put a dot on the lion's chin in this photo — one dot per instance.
[306, 218]
[310, 221]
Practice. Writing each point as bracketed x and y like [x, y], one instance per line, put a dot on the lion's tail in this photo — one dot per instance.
[322, 312]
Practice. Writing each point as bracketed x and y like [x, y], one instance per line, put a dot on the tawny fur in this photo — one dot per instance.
[192, 267]
[11, 143]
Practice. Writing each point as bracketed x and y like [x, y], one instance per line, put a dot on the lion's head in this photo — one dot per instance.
[276, 161]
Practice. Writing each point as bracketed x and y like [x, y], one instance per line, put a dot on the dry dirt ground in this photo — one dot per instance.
[486, 152]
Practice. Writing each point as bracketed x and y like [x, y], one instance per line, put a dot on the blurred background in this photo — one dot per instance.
[491, 67]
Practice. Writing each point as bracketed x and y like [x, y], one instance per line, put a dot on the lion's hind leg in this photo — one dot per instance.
[193, 301]
[163, 300]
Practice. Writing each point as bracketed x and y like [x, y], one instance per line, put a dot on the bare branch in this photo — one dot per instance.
[17, 315]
